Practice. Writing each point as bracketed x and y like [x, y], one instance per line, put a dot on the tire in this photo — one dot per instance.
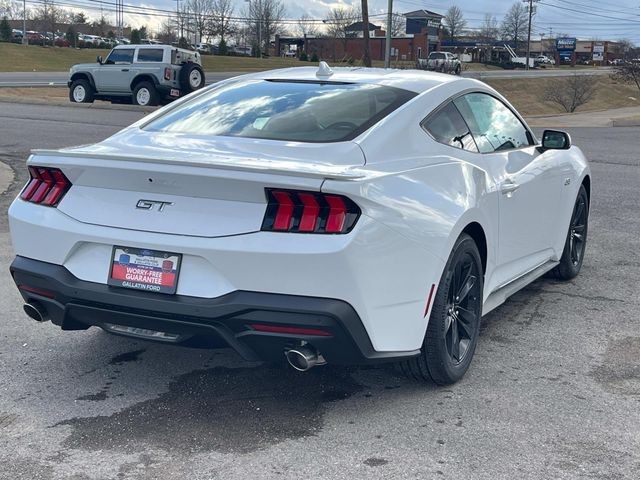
[457, 70]
[576, 242]
[437, 361]
[81, 91]
[191, 77]
[145, 95]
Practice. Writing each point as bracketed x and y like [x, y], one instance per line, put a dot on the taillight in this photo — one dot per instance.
[46, 187]
[309, 212]
[167, 73]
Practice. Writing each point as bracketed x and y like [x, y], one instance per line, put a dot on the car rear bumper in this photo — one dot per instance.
[75, 304]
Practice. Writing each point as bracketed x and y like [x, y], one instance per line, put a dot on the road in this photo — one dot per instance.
[552, 394]
[40, 79]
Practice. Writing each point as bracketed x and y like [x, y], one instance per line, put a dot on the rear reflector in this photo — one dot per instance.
[46, 187]
[309, 212]
[37, 291]
[291, 330]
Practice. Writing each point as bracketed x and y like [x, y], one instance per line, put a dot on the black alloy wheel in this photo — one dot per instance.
[454, 322]
[576, 242]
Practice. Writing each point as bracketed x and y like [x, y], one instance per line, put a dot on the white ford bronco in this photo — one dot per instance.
[145, 74]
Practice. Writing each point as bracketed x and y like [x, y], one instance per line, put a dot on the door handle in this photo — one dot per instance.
[125, 69]
[508, 187]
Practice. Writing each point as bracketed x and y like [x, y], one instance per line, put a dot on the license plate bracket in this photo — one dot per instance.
[143, 269]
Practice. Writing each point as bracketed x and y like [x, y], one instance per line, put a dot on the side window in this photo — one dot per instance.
[120, 55]
[447, 126]
[150, 54]
[493, 125]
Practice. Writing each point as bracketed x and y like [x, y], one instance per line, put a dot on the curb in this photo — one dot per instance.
[95, 106]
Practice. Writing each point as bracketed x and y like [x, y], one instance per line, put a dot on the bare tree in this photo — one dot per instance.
[489, 29]
[627, 73]
[625, 46]
[398, 25]
[366, 55]
[200, 13]
[570, 92]
[167, 34]
[337, 22]
[221, 24]
[10, 9]
[264, 22]
[47, 16]
[454, 22]
[306, 27]
[514, 24]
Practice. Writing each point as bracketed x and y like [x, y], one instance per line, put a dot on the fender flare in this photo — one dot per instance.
[85, 75]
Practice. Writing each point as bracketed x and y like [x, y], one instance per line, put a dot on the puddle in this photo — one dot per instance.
[222, 409]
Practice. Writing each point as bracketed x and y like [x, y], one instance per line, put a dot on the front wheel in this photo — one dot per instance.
[81, 91]
[454, 323]
[457, 70]
[576, 242]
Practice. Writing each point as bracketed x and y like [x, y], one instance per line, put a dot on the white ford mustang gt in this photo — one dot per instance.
[347, 216]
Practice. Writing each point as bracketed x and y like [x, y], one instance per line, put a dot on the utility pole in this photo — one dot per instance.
[530, 2]
[387, 46]
[25, 40]
[366, 56]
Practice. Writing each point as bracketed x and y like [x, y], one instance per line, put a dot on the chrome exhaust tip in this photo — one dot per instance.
[304, 358]
[36, 311]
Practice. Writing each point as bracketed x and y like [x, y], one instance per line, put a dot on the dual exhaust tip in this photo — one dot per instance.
[35, 311]
[304, 358]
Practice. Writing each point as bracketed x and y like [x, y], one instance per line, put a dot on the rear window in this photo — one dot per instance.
[436, 56]
[284, 110]
[150, 54]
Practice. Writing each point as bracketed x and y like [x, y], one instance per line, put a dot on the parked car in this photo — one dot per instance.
[280, 213]
[444, 62]
[544, 60]
[203, 48]
[147, 74]
[617, 61]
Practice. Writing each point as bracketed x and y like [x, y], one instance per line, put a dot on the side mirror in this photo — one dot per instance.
[555, 140]
[99, 59]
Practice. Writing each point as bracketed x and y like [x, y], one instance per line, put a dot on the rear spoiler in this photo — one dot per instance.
[60, 157]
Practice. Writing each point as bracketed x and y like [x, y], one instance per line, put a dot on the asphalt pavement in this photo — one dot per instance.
[553, 392]
[52, 79]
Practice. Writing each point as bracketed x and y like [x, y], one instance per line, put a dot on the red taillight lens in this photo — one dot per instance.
[46, 187]
[167, 73]
[291, 330]
[309, 212]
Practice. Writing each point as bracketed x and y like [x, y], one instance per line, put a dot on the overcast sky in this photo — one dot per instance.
[603, 20]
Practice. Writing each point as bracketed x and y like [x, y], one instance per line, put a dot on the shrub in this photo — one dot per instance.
[627, 73]
[314, 57]
[304, 57]
[570, 92]
[5, 30]
[223, 49]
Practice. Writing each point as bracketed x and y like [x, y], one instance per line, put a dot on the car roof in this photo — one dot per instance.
[414, 80]
[143, 45]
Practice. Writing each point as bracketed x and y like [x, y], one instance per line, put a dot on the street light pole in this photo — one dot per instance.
[387, 47]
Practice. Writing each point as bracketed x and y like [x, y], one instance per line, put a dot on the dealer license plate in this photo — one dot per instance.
[174, 92]
[148, 270]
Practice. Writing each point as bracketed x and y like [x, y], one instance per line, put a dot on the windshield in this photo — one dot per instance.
[284, 110]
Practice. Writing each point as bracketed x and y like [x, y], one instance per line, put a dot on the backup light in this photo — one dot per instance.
[309, 212]
[46, 187]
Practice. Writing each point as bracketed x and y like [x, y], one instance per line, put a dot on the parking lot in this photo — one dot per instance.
[553, 392]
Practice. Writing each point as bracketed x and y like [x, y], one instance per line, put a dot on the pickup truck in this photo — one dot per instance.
[444, 62]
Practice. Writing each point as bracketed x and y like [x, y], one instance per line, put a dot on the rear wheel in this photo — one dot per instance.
[191, 77]
[454, 323]
[457, 70]
[576, 242]
[81, 91]
[145, 95]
